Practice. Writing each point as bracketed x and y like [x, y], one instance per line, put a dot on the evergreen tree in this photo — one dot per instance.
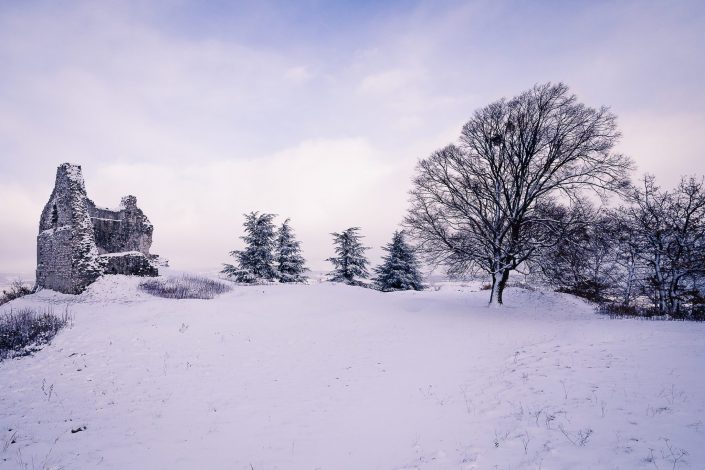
[290, 265]
[256, 262]
[350, 261]
[399, 269]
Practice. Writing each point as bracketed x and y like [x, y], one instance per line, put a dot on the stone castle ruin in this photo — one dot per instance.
[78, 241]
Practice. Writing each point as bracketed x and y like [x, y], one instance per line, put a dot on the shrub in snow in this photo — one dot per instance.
[349, 262]
[256, 262]
[289, 264]
[25, 330]
[184, 287]
[16, 290]
[585, 261]
[399, 269]
[619, 310]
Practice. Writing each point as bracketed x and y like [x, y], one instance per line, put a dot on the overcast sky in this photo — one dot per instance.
[316, 111]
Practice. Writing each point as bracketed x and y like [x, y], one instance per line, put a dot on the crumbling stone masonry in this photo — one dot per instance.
[79, 241]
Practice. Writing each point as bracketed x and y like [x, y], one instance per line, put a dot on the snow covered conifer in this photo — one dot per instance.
[399, 269]
[350, 261]
[289, 264]
[256, 262]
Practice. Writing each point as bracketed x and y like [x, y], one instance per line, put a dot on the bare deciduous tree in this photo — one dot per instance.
[669, 238]
[476, 206]
[584, 261]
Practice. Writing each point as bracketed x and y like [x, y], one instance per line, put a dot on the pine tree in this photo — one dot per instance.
[350, 261]
[290, 265]
[256, 262]
[399, 269]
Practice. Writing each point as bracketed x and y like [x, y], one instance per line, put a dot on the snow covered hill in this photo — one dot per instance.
[335, 377]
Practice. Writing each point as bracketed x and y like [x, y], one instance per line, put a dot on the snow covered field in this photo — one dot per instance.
[335, 377]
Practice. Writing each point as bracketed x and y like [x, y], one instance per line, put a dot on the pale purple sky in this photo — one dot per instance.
[316, 111]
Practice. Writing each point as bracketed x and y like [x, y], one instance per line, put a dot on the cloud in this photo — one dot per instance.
[298, 74]
[205, 113]
[385, 82]
[323, 185]
[19, 232]
[667, 145]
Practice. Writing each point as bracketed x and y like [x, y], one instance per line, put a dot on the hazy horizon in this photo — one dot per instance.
[316, 111]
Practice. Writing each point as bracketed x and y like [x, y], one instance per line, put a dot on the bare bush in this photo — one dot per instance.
[17, 289]
[620, 310]
[184, 287]
[25, 330]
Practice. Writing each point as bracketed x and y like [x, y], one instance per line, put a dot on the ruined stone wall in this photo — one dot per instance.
[78, 241]
[124, 229]
[66, 250]
[132, 262]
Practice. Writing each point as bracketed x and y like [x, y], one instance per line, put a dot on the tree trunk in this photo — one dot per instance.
[630, 281]
[660, 284]
[501, 285]
[493, 290]
[674, 296]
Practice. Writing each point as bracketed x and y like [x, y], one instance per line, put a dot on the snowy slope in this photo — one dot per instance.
[334, 377]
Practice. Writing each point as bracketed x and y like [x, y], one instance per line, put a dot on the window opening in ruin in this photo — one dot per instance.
[54, 216]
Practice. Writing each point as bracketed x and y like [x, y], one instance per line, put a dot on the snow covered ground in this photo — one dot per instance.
[334, 377]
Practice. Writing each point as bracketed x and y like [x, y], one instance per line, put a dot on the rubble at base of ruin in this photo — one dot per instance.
[78, 241]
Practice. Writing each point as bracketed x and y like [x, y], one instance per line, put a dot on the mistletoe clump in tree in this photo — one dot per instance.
[256, 262]
[290, 265]
[399, 269]
[349, 262]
